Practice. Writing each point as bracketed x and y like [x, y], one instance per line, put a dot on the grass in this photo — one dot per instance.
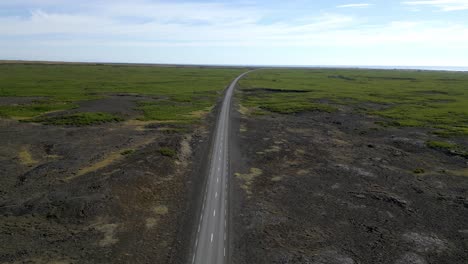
[168, 152]
[127, 152]
[437, 100]
[248, 179]
[79, 119]
[182, 91]
[450, 148]
[168, 110]
[25, 157]
[33, 109]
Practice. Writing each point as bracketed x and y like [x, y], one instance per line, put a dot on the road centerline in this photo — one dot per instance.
[212, 228]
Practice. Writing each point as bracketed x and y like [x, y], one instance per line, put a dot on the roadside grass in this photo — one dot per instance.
[184, 90]
[433, 99]
[79, 119]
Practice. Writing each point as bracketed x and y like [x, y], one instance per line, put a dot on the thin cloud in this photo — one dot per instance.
[144, 26]
[356, 5]
[444, 5]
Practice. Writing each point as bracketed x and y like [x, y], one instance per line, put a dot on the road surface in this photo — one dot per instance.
[211, 239]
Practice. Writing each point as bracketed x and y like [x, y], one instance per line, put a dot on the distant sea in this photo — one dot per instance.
[423, 68]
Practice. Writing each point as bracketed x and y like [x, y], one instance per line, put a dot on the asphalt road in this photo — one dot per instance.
[211, 241]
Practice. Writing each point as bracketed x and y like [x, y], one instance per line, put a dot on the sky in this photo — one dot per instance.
[247, 32]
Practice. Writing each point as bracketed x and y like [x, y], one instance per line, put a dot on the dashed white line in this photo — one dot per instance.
[211, 237]
[224, 251]
[217, 179]
[216, 194]
[214, 212]
[193, 259]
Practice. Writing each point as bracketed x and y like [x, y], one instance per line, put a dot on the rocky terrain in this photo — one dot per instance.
[106, 193]
[319, 187]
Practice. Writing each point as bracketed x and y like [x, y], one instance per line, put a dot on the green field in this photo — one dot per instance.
[182, 92]
[432, 99]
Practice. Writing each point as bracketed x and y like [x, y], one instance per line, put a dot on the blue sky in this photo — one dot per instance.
[294, 32]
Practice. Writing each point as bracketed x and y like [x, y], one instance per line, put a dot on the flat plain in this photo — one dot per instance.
[101, 163]
[351, 166]
[106, 164]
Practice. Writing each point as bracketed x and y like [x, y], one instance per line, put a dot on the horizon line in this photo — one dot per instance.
[330, 66]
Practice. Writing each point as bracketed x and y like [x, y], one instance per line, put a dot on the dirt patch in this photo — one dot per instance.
[6, 100]
[25, 157]
[124, 106]
[426, 242]
[161, 210]
[108, 232]
[336, 188]
[247, 179]
[110, 158]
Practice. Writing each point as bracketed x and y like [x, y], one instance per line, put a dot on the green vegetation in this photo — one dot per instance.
[168, 110]
[168, 152]
[450, 148]
[127, 152]
[79, 119]
[418, 171]
[183, 92]
[440, 145]
[432, 99]
[287, 104]
[33, 109]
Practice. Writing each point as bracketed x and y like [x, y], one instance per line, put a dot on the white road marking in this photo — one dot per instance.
[217, 179]
[211, 237]
[224, 251]
[216, 194]
[219, 169]
[196, 242]
[193, 259]
[214, 212]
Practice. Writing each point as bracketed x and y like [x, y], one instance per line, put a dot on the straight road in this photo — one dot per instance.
[211, 238]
